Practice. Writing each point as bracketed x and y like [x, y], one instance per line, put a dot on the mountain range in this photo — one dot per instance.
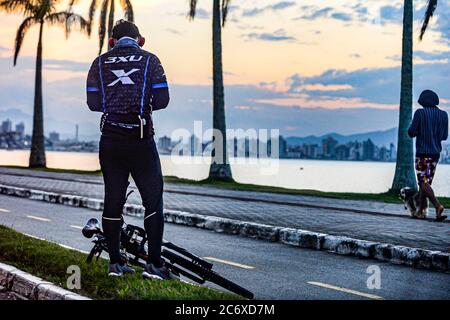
[380, 138]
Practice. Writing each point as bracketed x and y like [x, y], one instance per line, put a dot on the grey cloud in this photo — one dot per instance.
[394, 14]
[202, 14]
[191, 103]
[313, 12]
[391, 13]
[276, 36]
[432, 56]
[376, 85]
[341, 16]
[274, 7]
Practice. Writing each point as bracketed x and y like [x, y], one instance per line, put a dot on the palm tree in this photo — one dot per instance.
[126, 6]
[404, 170]
[39, 12]
[220, 168]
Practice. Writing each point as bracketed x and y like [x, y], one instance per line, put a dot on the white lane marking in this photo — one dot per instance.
[231, 263]
[350, 291]
[4, 210]
[39, 218]
[59, 244]
[76, 227]
[71, 248]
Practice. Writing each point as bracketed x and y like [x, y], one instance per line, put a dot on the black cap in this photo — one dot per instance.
[428, 99]
[124, 28]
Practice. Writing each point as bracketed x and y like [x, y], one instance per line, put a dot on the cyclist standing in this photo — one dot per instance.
[127, 84]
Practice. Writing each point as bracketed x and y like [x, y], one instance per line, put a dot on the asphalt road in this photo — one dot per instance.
[270, 270]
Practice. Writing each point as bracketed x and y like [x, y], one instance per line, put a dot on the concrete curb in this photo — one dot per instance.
[31, 287]
[414, 257]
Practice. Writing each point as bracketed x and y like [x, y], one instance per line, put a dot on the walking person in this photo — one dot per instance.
[127, 84]
[430, 128]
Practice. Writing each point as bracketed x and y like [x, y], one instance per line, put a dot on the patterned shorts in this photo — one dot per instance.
[425, 169]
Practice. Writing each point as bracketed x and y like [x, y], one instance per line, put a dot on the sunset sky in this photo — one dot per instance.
[305, 67]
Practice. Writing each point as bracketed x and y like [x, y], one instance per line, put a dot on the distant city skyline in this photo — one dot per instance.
[326, 147]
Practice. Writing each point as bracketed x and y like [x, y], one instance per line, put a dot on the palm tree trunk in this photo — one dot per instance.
[404, 170]
[110, 21]
[37, 155]
[220, 167]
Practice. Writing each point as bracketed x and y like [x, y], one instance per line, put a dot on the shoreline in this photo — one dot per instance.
[283, 159]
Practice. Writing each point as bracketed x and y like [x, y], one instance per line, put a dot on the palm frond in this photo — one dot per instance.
[19, 6]
[431, 7]
[111, 17]
[92, 9]
[44, 8]
[76, 21]
[225, 6]
[102, 24]
[72, 3]
[69, 20]
[127, 7]
[20, 35]
[192, 9]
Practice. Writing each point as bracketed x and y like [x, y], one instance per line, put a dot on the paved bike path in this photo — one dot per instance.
[367, 220]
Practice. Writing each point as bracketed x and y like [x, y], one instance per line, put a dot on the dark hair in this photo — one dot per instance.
[428, 99]
[124, 28]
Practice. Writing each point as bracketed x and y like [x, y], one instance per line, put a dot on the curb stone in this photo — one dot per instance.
[413, 257]
[32, 287]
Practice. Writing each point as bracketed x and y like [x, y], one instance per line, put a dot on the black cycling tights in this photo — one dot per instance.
[120, 157]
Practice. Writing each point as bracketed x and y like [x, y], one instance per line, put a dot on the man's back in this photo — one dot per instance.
[127, 80]
[430, 127]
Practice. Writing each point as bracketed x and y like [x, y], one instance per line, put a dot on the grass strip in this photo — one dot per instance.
[386, 197]
[50, 261]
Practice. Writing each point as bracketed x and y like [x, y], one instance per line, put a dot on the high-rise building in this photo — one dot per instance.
[164, 143]
[311, 150]
[76, 133]
[6, 126]
[20, 129]
[283, 148]
[54, 136]
[392, 152]
[368, 150]
[195, 145]
[329, 147]
[342, 152]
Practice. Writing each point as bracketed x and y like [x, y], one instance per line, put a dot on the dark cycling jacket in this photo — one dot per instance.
[127, 80]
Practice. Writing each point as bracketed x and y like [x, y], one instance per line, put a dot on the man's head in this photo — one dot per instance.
[124, 28]
[428, 99]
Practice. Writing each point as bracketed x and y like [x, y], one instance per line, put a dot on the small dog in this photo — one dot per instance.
[411, 200]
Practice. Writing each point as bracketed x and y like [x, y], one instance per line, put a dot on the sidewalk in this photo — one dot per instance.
[366, 220]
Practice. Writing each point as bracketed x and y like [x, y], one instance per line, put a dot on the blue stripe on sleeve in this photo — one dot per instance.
[145, 84]
[160, 85]
[92, 89]
[101, 82]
